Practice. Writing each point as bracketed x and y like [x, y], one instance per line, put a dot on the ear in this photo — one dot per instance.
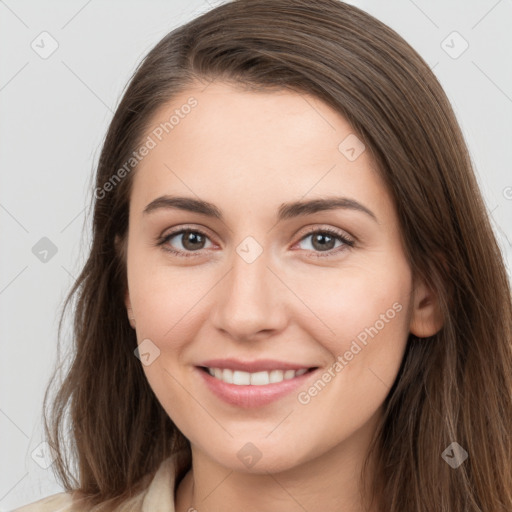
[120, 248]
[426, 316]
[128, 304]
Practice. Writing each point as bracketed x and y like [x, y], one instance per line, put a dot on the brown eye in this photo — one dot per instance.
[191, 240]
[324, 240]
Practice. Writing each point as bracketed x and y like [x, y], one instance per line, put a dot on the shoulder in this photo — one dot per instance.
[61, 502]
[156, 494]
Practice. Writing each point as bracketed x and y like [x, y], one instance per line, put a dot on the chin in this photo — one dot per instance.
[258, 457]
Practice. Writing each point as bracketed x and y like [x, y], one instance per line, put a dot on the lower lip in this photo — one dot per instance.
[252, 396]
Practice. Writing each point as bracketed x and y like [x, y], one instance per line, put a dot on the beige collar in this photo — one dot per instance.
[160, 493]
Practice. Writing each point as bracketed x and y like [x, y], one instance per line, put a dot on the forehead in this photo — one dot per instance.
[222, 143]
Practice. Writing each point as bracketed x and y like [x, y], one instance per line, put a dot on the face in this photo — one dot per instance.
[262, 286]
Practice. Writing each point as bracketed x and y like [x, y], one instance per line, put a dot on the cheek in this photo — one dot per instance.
[369, 316]
[363, 323]
[163, 301]
[166, 301]
[169, 305]
[360, 302]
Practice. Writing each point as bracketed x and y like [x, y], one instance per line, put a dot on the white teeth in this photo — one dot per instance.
[259, 378]
[239, 378]
[227, 376]
[254, 379]
[276, 376]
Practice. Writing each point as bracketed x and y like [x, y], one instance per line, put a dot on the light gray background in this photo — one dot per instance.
[54, 115]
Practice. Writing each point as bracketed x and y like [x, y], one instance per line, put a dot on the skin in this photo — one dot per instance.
[249, 152]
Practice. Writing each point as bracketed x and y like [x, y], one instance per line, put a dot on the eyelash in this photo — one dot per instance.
[348, 243]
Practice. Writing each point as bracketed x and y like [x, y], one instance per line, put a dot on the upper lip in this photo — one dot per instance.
[254, 366]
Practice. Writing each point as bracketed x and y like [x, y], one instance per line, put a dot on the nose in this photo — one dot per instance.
[250, 301]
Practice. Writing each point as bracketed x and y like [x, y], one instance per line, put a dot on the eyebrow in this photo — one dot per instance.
[285, 211]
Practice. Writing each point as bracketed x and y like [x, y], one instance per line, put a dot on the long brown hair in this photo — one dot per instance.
[455, 386]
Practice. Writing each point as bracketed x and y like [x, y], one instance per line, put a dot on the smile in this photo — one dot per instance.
[263, 378]
[253, 389]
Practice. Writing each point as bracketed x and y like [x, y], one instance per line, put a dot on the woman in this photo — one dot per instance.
[294, 298]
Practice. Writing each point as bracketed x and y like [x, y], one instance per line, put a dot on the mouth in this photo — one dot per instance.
[253, 389]
[261, 378]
